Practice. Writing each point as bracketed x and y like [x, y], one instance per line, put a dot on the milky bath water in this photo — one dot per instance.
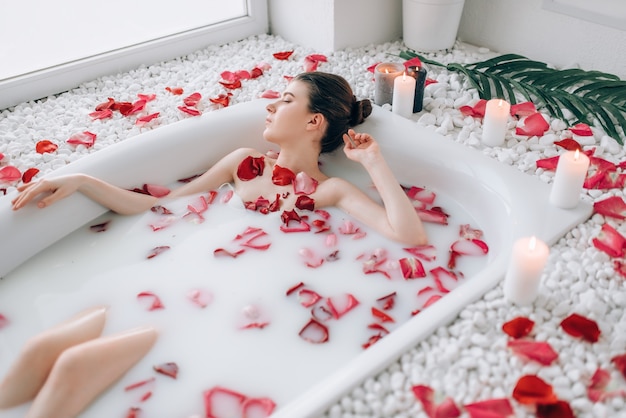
[215, 345]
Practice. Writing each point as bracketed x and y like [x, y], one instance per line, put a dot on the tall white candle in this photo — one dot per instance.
[495, 121]
[384, 75]
[569, 178]
[403, 95]
[528, 259]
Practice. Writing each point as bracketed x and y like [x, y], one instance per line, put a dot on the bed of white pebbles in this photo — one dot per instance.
[466, 360]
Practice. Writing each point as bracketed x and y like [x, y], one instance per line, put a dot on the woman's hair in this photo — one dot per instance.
[332, 96]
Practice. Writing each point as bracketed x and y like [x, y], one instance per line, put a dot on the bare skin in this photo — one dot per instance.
[29, 372]
[298, 133]
[84, 371]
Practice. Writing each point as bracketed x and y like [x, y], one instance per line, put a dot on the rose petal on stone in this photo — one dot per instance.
[579, 326]
[532, 390]
[518, 327]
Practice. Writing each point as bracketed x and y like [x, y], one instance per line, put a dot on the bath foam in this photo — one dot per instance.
[503, 202]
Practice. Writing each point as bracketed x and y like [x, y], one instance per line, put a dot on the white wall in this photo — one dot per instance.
[525, 28]
[330, 25]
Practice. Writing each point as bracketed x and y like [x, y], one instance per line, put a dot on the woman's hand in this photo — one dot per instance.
[56, 188]
[361, 147]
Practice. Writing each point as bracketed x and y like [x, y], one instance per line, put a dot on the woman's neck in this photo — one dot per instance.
[298, 161]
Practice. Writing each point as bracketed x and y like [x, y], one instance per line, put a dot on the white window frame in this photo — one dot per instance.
[66, 76]
[598, 11]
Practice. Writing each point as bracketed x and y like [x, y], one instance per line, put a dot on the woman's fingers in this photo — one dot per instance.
[31, 190]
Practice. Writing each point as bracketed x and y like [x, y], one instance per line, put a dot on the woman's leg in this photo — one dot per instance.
[84, 371]
[29, 372]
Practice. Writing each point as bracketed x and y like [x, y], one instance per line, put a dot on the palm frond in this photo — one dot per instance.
[592, 97]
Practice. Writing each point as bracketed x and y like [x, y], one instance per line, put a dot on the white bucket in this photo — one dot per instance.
[431, 25]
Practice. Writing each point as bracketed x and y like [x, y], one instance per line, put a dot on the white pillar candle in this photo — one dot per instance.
[495, 121]
[528, 259]
[403, 95]
[569, 178]
[384, 75]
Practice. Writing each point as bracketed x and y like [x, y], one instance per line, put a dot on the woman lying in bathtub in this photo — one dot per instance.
[312, 117]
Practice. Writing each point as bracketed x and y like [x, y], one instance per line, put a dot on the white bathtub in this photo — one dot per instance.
[505, 203]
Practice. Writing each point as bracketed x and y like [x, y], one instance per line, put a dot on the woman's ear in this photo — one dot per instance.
[316, 121]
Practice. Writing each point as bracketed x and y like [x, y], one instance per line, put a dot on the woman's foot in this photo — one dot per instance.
[29, 372]
[84, 371]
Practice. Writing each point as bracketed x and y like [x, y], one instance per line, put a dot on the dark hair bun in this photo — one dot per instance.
[361, 109]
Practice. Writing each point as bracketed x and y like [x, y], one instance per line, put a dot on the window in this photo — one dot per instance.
[47, 47]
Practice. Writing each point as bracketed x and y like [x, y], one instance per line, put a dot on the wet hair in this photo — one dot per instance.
[332, 96]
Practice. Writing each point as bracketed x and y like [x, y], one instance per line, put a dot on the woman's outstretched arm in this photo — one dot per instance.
[117, 199]
[398, 218]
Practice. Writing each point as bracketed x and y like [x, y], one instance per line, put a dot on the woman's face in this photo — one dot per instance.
[288, 117]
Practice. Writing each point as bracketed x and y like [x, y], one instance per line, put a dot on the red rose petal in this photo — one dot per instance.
[558, 409]
[610, 241]
[9, 174]
[423, 252]
[426, 395]
[304, 184]
[231, 86]
[382, 316]
[133, 412]
[157, 250]
[282, 176]
[84, 138]
[282, 55]
[192, 100]
[189, 111]
[223, 252]
[221, 99]
[388, 301]
[155, 301]
[101, 114]
[341, 305]
[539, 351]
[220, 402]
[250, 168]
[167, 369]
[518, 327]
[620, 363]
[411, 268]
[413, 62]
[200, 297]
[491, 408]
[549, 163]
[146, 119]
[139, 384]
[257, 408]
[106, 105]
[314, 332]
[523, 109]
[175, 90]
[532, 390]
[578, 326]
[477, 111]
[28, 175]
[432, 215]
[581, 129]
[308, 297]
[305, 203]
[534, 125]
[45, 145]
[613, 207]
[569, 144]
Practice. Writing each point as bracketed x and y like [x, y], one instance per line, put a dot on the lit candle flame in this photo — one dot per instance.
[500, 103]
[576, 155]
[532, 244]
[404, 76]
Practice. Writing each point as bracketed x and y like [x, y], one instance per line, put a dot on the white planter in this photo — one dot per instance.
[431, 25]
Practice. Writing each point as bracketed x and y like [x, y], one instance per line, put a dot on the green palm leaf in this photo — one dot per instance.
[592, 97]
